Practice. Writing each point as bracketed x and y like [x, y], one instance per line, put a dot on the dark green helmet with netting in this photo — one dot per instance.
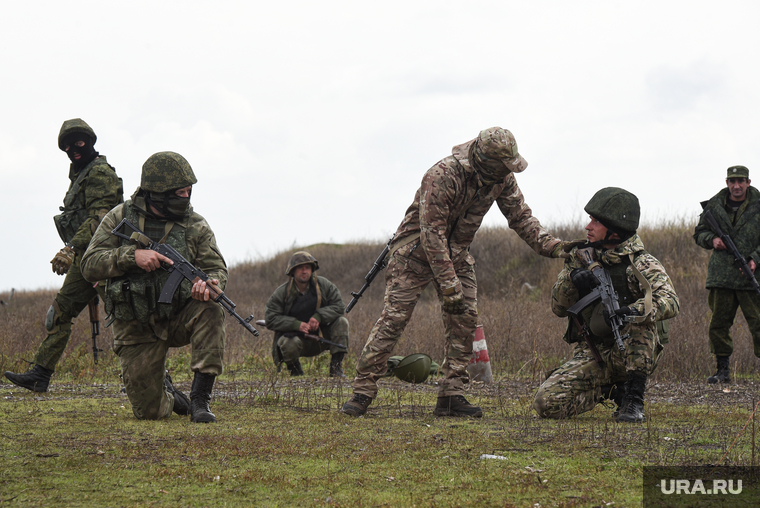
[301, 258]
[166, 171]
[617, 209]
[73, 126]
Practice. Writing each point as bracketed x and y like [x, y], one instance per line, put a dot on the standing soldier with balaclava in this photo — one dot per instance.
[94, 190]
[736, 208]
[432, 245]
[306, 304]
[144, 329]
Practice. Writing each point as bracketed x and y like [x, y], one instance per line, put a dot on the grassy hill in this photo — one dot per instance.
[523, 336]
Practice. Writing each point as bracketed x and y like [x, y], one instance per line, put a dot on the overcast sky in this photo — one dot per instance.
[312, 122]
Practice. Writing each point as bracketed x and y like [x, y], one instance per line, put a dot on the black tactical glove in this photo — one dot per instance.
[583, 280]
[622, 312]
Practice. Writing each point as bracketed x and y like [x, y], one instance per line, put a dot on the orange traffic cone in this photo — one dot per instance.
[480, 365]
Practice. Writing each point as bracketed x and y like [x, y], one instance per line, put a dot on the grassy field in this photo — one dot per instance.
[282, 442]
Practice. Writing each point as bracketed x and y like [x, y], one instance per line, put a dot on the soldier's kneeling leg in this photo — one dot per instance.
[143, 371]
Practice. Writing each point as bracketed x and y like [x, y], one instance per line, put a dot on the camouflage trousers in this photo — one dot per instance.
[142, 354]
[72, 298]
[576, 386]
[294, 347]
[724, 303]
[405, 279]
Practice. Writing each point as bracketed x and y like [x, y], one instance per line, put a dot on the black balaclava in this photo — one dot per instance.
[87, 152]
[170, 205]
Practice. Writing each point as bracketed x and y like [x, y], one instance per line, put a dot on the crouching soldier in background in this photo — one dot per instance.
[94, 190]
[143, 328]
[646, 296]
[306, 304]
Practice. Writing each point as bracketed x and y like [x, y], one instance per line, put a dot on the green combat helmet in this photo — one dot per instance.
[301, 258]
[72, 126]
[617, 209]
[166, 171]
[414, 368]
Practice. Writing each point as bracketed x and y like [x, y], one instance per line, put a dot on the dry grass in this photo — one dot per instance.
[524, 337]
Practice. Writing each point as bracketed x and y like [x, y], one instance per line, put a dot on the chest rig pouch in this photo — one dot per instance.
[134, 296]
[74, 210]
[600, 331]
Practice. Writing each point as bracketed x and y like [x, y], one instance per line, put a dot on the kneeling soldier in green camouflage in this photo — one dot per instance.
[143, 328]
[95, 189]
[306, 304]
[646, 297]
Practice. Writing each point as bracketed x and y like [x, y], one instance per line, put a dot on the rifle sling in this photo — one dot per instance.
[647, 293]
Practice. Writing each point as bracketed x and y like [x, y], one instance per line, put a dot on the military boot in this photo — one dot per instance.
[357, 405]
[632, 410]
[295, 367]
[336, 365]
[36, 379]
[200, 396]
[456, 405]
[724, 374]
[181, 402]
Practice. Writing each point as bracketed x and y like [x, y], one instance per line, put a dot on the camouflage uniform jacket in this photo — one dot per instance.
[744, 229]
[106, 258]
[665, 302]
[87, 201]
[279, 304]
[449, 207]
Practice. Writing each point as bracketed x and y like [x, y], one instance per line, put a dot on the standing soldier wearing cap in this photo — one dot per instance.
[94, 190]
[737, 211]
[646, 298]
[432, 245]
[306, 304]
[143, 328]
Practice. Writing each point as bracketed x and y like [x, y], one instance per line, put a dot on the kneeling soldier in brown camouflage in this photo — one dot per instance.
[306, 304]
[143, 328]
[432, 245]
[646, 297]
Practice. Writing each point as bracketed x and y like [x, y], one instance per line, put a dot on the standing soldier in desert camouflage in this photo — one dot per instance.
[737, 210]
[432, 245]
[94, 190]
[646, 296]
[143, 328]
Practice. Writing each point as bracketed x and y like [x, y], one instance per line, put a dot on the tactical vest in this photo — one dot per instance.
[593, 312]
[74, 207]
[305, 305]
[134, 296]
[592, 315]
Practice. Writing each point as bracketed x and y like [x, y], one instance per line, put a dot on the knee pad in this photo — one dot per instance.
[51, 318]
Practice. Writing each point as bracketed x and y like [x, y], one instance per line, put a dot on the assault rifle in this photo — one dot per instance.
[95, 324]
[378, 266]
[604, 292]
[309, 336]
[730, 246]
[180, 270]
